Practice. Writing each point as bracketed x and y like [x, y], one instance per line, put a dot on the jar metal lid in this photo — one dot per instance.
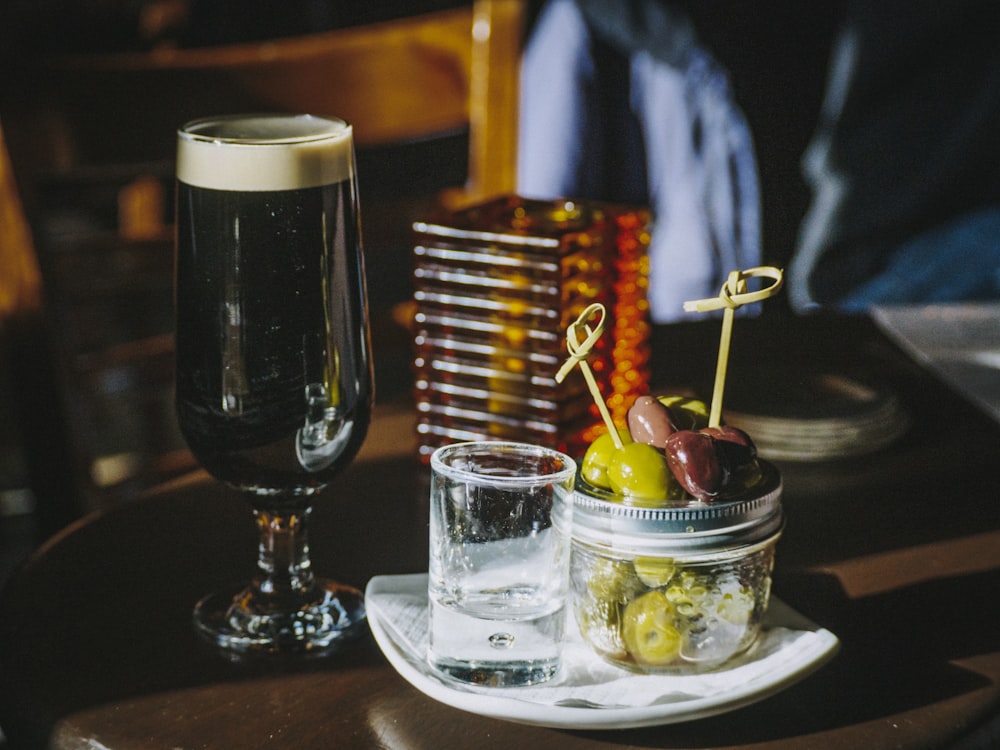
[694, 528]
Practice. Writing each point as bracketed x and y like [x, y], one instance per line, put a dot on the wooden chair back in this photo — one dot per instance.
[94, 136]
[402, 80]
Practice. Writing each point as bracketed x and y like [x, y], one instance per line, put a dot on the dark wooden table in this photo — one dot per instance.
[898, 553]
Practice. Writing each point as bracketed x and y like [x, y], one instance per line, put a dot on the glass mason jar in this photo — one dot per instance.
[680, 589]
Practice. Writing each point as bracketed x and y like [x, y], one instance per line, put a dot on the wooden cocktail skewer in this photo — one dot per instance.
[578, 353]
[734, 294]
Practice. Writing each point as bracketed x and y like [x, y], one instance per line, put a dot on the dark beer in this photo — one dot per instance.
[274, 384]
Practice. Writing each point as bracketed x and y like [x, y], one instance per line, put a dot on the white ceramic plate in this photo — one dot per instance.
[959, 341]
[588, 693]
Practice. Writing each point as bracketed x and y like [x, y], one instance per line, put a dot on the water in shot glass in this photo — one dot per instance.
[500, 517]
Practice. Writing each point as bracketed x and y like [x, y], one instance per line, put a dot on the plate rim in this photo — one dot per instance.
[577, 717]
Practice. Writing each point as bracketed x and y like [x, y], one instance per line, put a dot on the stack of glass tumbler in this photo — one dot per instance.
[495, 287]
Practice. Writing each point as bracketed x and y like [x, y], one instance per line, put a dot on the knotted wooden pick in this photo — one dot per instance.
[734, 294]
[578, 353]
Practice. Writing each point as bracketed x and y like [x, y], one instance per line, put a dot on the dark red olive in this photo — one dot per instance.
[706, 462]
[738, 452]
[694, 460]
[649, 422]
[731, 435]
[735, 447]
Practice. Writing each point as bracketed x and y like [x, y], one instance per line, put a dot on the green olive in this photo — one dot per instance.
[744, 478]
[649, 632]
[641, 474]
[654, 571]
[594, 467]
[600, 624]
[689, 593]
[611, 580]
[683, 601]
[609, 585]
[686, 413]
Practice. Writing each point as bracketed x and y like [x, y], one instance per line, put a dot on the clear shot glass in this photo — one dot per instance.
[500, 521]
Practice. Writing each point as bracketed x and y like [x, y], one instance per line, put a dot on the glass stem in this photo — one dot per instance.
[283, 557]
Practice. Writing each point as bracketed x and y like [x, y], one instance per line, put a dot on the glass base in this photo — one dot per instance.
[240, 625]
[497, 674]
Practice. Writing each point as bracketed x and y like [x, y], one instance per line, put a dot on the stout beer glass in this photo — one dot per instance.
[274, 377]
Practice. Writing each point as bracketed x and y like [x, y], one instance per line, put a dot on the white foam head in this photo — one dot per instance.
[265, 152]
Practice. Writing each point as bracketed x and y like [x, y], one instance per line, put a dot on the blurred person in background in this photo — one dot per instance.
[621, 102]
[904, 165]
